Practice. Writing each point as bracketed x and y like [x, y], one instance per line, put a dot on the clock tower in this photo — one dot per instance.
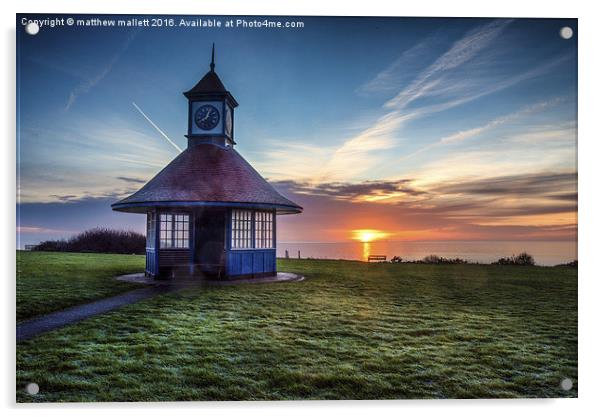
[210, 111]
[209, 213]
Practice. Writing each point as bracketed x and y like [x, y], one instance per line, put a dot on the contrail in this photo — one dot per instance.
[156, 127]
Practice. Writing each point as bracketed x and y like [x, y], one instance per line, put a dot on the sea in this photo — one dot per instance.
[546, 253]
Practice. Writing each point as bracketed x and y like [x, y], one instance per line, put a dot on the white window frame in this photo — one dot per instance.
[174, 231]
[241, 229]
[264, 229]
[252, 229]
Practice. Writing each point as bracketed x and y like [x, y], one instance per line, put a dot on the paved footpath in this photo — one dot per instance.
[30, 328]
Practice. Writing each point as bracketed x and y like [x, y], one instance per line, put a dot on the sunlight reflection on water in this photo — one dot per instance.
[366, 253]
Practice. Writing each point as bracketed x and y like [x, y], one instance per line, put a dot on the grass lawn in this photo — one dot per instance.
[352, 330]
[50, 281]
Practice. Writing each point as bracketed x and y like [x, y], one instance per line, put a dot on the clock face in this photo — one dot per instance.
[206, 117]
[228, 121]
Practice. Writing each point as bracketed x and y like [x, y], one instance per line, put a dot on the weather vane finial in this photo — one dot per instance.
[212, 66]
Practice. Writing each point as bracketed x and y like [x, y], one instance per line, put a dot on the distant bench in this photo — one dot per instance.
[377, 258]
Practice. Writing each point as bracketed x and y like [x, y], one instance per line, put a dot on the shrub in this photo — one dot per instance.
[430, 259]
[572, 264]
[98, 240]
[52, 246]
[434, 259]
[521, 259]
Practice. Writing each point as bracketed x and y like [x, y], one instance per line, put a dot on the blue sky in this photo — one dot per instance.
[422, 128]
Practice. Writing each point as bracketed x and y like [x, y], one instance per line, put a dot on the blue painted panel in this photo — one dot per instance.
[258, 261]
[270, 261]
[247, 263]
[253, 261]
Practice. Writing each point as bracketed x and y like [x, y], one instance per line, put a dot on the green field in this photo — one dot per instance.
[48, 281]
[352, 330]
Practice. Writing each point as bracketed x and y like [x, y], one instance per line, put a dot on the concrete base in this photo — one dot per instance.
[140, 278]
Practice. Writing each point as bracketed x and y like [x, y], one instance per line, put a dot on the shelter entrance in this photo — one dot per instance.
[209, 237]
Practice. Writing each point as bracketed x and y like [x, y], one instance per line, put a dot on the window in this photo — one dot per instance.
[252, 229]
[241, 229]
[174, 231]
[263, 230]
[150, 230]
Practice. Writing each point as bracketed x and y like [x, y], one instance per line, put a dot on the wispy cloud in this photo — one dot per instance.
[88, 83]
[525, 111]
[463, 135]
[356, 155]
[293, 159]
[399, 73]
[461, 52]
[468, 70]
[99, 151]
[36, 229]
[560, 134]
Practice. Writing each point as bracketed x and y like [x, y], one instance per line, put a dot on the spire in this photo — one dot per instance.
[210, 85]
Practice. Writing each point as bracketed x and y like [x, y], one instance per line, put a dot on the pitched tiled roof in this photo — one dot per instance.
[207, 173]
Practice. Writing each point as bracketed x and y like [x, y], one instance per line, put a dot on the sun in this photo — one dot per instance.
[369, 235]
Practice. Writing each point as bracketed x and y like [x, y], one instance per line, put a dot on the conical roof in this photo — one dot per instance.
[210, 86]
[207, 175]
[210, 83]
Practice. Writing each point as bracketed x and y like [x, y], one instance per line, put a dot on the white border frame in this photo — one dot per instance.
[590, 33]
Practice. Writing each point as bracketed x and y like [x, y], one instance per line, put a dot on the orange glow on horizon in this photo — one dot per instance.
[369, 235]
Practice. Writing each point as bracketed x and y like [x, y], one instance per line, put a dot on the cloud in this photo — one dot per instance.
[561, 134]
[133, 180]
[468, 70]
[65, 197]
[36, 229]
[281, 160]
[486, 197]
[525, 185]
[85, 196]
[461, 52]
[533, 206]
[87, 84]
[363, 152]
[37, 220]
[98, 150]
[399, 72]
[359, 154]
[534, 149]
[476, 131]
[364, 191]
